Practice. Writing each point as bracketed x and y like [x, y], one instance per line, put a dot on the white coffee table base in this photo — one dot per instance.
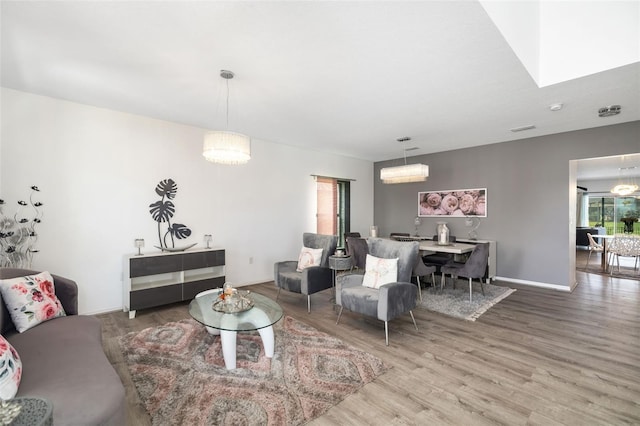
[228, 338]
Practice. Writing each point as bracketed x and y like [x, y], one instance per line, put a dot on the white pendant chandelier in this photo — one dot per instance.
[626, 185]
[407, 173]
[226, 147]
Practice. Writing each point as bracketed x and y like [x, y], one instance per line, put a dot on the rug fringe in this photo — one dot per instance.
[474, 316]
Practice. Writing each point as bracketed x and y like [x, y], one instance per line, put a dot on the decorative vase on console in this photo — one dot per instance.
[443, 233]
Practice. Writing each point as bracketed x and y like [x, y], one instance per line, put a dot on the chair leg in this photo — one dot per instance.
[308, 303]
[278, 294]
[386, 332]
[414, 320]
[339, 314]
[470, 291]
[481, 286]
[442, 281]
[419, 287]
[589, 258]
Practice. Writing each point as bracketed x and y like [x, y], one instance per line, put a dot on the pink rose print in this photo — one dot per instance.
[18, 375]
[480, 206]
[37, 296]
[21, 288]
[3, 346]
[449, 203]
[426, 210]
[467, 204]
[46, 311]
[434, 200]
[47, 288]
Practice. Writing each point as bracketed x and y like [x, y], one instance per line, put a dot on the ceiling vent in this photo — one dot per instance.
[610, 110]
[522, 128]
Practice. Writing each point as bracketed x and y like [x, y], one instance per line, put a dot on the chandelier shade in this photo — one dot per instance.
[624, 189]
[226, 147]
[223, 146]
[405, 174]
[626, 182]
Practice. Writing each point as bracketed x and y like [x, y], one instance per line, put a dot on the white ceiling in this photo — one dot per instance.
[343, 77]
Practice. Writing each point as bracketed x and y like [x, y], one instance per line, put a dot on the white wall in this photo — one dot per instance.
[97, 170]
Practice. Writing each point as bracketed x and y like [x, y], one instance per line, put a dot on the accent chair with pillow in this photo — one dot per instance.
[385, 290]
[310, 273]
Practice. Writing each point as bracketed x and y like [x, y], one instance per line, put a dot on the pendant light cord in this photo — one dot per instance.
[227, 104]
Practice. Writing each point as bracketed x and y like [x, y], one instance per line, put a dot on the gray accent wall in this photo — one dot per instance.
[531, 187]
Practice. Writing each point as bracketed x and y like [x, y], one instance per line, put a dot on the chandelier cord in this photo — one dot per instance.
[404, 151]
[227, 104]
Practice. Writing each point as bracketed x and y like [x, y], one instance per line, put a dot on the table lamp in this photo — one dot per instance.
[139, 243]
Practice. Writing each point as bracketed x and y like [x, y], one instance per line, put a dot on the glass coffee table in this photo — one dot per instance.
[261, 316]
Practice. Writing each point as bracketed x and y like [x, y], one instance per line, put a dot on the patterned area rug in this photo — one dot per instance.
[455, 302]
[180, 376]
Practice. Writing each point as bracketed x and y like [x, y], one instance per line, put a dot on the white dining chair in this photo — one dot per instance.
[625, 246]
[593, 246]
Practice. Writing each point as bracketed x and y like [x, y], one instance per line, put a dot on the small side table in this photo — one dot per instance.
[339, 263]
[33, 412]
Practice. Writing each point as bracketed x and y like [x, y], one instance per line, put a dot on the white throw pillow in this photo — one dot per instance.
[309, 257]
[10, 370]
[31, 300]
[378, 271]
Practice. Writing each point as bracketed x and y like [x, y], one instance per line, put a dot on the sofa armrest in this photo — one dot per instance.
[67, 292]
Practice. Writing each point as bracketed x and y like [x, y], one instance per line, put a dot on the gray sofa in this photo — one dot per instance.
[64, 362]
[581, 235]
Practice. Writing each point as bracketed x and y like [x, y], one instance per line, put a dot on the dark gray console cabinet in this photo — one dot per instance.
[162, 278]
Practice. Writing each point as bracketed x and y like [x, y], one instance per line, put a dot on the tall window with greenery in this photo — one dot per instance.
[617, 214]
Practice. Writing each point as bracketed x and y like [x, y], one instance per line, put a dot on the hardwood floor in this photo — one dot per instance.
[539, 357]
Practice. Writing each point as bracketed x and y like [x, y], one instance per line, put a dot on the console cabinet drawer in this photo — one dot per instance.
[160, 279]
[159, 296]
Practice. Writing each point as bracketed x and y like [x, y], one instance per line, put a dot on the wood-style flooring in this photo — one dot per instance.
[539, 357]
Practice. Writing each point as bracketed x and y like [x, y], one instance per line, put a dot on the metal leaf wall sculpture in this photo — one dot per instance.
[18, 236]
[162, 211]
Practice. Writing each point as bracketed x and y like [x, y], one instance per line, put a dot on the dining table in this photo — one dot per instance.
[604, 238]
[453, 248]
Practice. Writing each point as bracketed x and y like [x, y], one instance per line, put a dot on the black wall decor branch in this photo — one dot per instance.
[163, 210]
[18, 236]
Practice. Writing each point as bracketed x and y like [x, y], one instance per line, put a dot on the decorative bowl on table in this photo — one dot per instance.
[233, 302]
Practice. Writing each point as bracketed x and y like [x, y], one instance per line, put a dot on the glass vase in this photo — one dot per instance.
[443, 233]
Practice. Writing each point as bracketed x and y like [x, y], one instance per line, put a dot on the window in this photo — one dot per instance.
[333, 214]
[616, 214]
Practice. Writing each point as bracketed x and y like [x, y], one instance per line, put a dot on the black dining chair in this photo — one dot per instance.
[439, 259]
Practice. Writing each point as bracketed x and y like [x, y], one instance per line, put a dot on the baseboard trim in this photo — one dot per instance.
[536, 284]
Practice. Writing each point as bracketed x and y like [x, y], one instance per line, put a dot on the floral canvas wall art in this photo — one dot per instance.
[459, 202]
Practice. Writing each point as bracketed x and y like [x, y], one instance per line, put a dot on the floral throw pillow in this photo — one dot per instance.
[10, 370]
[31, 300]
[309, 257]
[378, 271]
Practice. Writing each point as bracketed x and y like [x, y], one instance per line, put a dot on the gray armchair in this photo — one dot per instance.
[390, 300]
[313, 279]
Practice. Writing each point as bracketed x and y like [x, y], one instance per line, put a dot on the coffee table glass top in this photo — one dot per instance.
[264, 313]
